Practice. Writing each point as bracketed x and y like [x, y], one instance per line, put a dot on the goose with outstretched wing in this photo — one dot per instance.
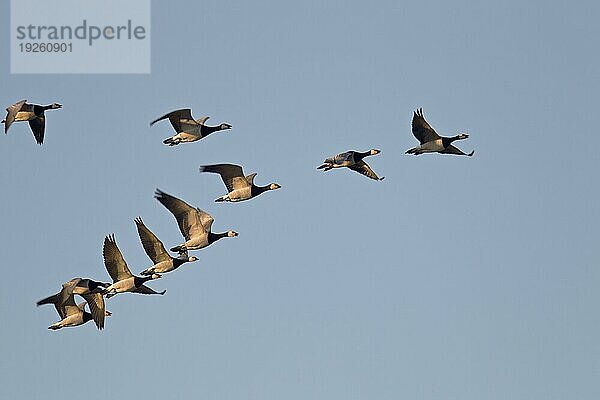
[33, 113]
[430, 141]
[354, 161]
[187, 128]
[154, 248]
[194, 224]
[239, 186]
[123, 280]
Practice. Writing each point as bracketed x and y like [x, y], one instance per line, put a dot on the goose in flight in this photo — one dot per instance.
[72, 314]
[34, 113]
[187, 128]
[195, 225]
[240, 187]
[123, 279]
[154, 248]
[353, 160]
[430, 141]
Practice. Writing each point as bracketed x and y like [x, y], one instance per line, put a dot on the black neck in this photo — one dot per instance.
[39, 110]
[178, 261]
[446, 141]
[256, 190]
[207, 130]
[139, 280]
[358, 155]
[213, 237]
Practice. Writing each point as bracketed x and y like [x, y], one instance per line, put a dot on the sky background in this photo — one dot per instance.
[454, 278]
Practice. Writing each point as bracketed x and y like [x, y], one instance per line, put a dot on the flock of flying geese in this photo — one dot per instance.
[194, 224]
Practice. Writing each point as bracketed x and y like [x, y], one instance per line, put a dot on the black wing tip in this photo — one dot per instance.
[159, 194]
[217, 168]
[138, 221]
[471, 153]
[110, 238]
[210, 167]
[157, 119]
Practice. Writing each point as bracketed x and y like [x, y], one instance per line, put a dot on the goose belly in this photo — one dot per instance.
[241, 194]
[72, 320]
[187, 137]
[342, 164]
[163, 266]
[124, 285]
[25, 116]
[432, 147]
[197, 243]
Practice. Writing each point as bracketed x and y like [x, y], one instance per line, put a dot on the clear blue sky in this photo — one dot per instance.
[454, 278]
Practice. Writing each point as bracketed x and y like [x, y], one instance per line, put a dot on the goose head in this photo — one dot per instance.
[274, 186]
[107, 313]
[192, 259]
[225, 126]
[155, 276]
[231, 234]
[374, 151]
[461, 136]
[54, 106]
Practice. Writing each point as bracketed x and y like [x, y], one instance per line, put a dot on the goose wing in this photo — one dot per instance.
[96, 303]
[421, 129]
[177, 119]
[250, 178]
[143, 289]
[68, 307]
[192, 221]
[455, 150]
[67, 289]
[64, 300]
[113, 260]
[363, 168]
[12, 114]
[152, 246]
[205, 219]
[38, 126]
[341, 159]
[231, 174]
[202, 120]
